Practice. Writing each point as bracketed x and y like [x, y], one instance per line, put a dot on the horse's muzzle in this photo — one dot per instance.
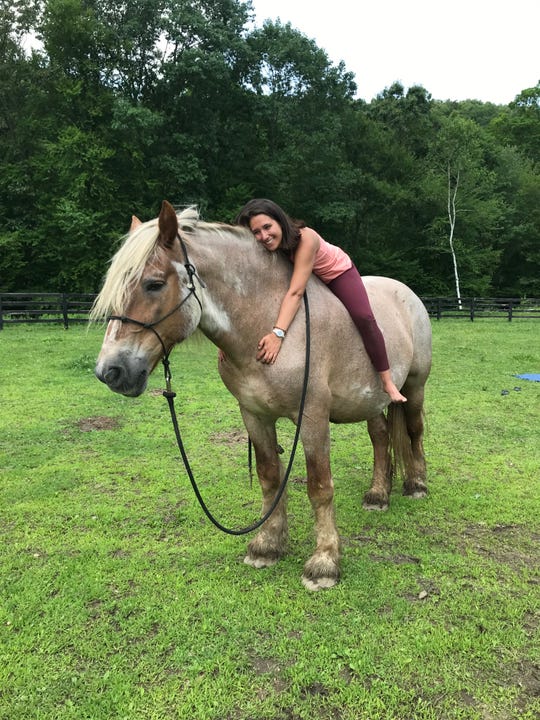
[126, 379]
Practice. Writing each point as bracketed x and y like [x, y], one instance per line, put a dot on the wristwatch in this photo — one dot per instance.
[278, 332]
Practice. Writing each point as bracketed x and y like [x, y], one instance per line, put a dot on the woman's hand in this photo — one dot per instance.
[268, 349]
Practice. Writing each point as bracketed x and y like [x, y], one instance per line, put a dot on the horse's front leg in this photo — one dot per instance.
[270, 542]
[322, 569]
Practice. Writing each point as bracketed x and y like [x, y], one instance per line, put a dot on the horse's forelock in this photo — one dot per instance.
[125, 270]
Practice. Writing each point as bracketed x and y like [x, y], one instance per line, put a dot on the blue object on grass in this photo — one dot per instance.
[535, 377]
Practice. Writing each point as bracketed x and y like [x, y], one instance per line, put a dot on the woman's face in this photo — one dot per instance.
[266, 231]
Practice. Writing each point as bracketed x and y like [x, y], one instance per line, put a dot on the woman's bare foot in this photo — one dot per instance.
[390, 388]
[395, 395]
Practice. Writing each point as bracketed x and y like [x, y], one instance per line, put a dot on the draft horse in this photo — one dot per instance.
[177, 273]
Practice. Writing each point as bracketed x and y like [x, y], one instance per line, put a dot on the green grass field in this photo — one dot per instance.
[120, 600]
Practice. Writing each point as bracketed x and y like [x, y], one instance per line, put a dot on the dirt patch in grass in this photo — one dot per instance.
[230, 437]
[527, 677]
[263, 666]
[99, 422]
[395, 559]
[514, 545]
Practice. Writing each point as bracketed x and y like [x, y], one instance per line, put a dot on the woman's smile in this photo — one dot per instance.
[266, 231]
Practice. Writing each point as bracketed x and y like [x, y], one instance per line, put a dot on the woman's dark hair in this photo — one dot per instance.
[290, 228]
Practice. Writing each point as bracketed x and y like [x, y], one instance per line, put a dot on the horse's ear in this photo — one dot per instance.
[135, 222]
[168, 225]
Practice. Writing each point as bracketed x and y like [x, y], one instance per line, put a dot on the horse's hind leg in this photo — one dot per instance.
[415, 483]
[269, 544]
[378, 496]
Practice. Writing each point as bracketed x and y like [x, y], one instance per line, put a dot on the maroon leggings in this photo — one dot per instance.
[350, 289]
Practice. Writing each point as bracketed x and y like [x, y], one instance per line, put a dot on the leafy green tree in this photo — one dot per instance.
[112, 137]
[296, 146]
[21, 125]
[407, 114]
[200, 96]
[386, 142]
[467, 223]
[117, 104]
[519, 124]
[519, 183]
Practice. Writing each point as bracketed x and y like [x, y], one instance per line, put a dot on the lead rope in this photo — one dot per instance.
[170, 395]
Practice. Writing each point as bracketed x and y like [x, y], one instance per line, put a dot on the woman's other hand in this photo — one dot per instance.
[268, 349]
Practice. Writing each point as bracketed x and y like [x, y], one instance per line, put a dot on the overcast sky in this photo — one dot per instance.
[457, 49]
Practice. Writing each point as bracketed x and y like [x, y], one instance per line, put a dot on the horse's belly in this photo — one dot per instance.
[360, 404]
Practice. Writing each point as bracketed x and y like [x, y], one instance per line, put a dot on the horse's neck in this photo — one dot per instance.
[243, 292]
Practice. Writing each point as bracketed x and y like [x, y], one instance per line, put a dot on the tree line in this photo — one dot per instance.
[109, 106]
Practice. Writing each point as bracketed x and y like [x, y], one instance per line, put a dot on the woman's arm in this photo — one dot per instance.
[270, 345]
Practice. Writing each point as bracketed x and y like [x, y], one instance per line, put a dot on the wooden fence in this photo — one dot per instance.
[69, 308]
[476, 308]
[65, 308]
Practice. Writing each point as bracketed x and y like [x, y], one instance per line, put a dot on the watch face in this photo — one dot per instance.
[279, 333]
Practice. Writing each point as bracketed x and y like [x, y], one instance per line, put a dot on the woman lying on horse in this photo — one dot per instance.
[275, 230]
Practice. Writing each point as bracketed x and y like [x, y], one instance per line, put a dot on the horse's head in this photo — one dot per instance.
[150, 301]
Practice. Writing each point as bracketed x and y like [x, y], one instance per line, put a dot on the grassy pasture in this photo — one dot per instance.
[119, 600]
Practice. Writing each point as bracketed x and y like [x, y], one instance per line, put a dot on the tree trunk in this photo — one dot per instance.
[452, 193]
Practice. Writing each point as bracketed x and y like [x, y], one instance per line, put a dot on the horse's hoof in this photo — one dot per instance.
[262, 553]
[375, 501]
[375, 506]
[323, 583]
[321, 572]
[416, 490]
[260, 562]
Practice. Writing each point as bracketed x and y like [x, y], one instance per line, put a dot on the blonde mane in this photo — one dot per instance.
[138, 248]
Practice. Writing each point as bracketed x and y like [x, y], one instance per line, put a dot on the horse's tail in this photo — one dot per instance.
[398, 435]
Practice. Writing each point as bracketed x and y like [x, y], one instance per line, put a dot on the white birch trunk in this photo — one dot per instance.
[452, 194]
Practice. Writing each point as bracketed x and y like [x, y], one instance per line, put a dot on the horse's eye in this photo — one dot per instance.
[154, 286]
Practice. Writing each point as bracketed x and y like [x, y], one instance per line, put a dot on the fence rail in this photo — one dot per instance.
[62, 308]
[477, 308]
[69, 308]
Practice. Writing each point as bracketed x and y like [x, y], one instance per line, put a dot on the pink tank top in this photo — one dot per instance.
[330, 261]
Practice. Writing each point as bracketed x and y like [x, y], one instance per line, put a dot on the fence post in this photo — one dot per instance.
[65, 310]
[1, 315]
[510, 310]
[472, 310]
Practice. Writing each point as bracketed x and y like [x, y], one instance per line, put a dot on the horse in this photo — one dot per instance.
[176, 274]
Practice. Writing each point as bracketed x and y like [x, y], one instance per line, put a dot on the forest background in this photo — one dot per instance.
[107, 107]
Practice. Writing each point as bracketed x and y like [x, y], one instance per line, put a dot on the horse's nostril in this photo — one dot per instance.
[113, 375]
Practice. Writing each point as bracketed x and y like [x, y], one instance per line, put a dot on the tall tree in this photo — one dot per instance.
[519, 184]
[461, 181]
[387, 147]
[519, 124]
[298, 100]
[21, 126]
